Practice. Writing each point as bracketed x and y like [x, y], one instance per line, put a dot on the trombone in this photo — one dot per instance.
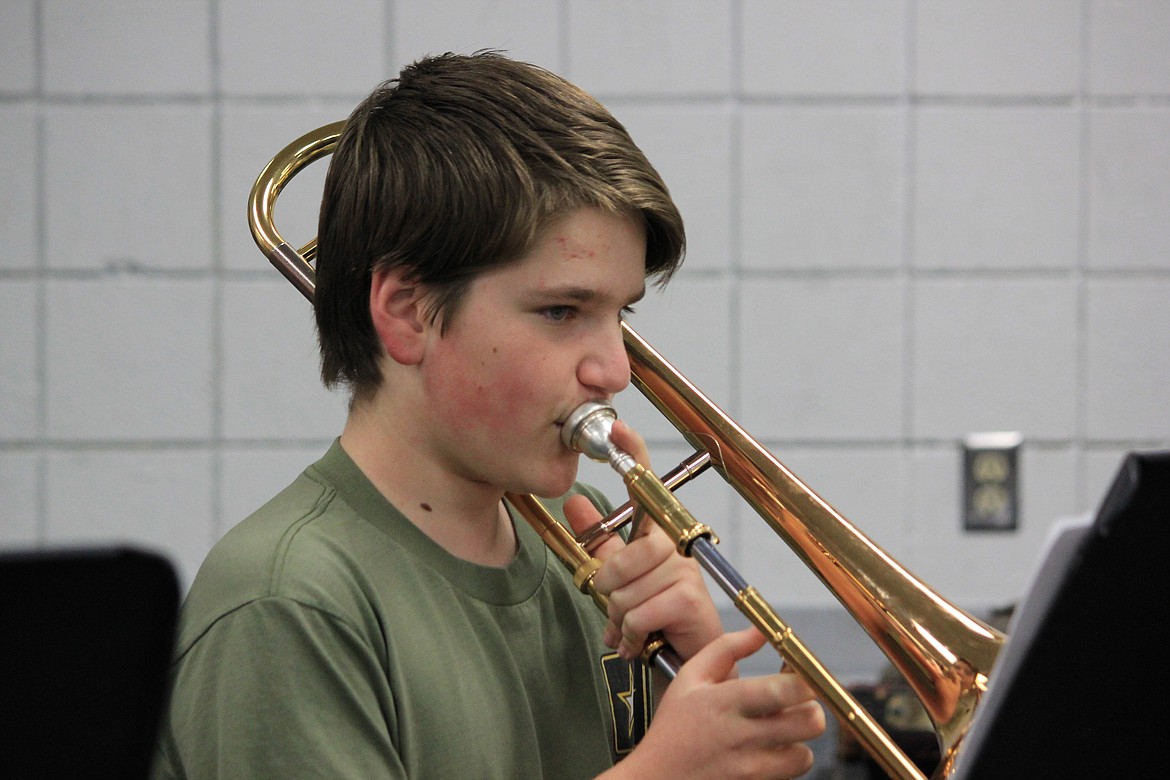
[945, 654]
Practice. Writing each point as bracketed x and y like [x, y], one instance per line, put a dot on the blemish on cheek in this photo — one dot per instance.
[425, 507]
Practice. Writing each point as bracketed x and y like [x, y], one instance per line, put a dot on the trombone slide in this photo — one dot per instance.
[695, 539]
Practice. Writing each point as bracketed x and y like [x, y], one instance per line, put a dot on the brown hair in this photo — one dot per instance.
[454, 168]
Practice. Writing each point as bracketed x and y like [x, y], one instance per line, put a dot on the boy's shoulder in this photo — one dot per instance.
[260, 556]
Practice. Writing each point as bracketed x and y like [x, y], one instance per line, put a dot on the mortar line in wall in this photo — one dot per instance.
[906, 269]
[617, 100]
[735, 212]
[939, 100]
[564, 40]
[67, 445]
[388, 52]
[610, 99]
[89, 100]
[735, 250]
[735, 328]
[41, 305]
[129, 270]
[1083, 213]
[218, 282]
[958, 274]
[1127, 101]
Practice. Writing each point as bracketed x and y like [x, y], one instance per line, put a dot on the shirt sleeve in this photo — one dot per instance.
[278, 689]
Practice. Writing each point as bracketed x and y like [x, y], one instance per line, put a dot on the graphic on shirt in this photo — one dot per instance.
[630, 705]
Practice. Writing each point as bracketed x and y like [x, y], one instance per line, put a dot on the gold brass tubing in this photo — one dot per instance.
[583, 575]
[560, 541]
[872, 736]
[680, 475]
[269, 184]
[674, 518]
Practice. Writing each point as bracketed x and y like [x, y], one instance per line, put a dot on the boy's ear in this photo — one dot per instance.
[396, 310]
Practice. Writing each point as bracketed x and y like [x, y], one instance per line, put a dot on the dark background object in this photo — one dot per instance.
[85, 644]
[1081, 688]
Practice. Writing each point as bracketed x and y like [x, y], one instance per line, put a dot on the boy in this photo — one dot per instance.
[484, 227]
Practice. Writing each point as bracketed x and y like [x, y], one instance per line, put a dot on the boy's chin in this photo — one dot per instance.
[555, 483]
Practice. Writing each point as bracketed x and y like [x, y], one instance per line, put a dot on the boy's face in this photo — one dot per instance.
[530, 342]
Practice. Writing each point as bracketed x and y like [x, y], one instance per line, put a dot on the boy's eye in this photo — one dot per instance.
[561, 313]
[557, 313]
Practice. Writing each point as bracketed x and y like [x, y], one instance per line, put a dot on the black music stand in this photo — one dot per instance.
[1079, 689]
[85, 644]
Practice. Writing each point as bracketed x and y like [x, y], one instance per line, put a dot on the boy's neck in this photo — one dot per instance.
[466, 518]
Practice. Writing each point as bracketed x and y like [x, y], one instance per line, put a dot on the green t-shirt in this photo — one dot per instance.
[326, 636]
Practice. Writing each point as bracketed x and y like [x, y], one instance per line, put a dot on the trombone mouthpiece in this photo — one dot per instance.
[587, 431]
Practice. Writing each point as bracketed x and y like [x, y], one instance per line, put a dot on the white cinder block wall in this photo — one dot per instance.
[909, 220]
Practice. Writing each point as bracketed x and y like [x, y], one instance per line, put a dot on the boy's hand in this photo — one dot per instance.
[712, 724]
[650, 586]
